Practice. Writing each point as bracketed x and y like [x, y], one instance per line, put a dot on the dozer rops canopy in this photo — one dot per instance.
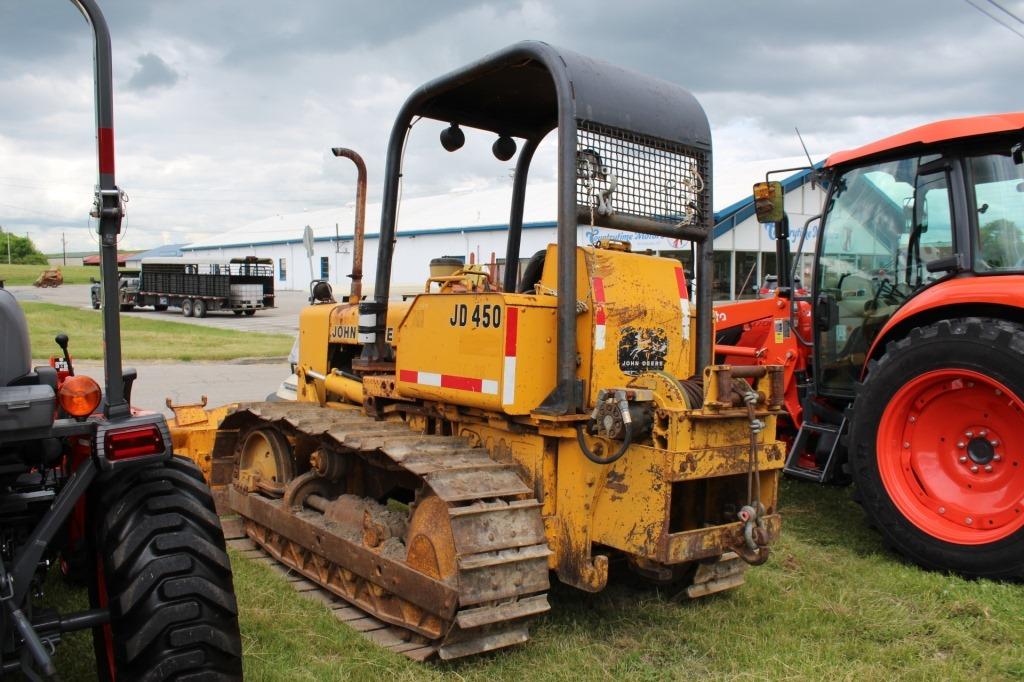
[634, 154]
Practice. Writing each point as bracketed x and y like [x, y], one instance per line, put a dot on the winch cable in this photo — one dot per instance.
[754, 551]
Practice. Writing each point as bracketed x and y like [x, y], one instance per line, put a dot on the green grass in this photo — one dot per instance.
[144, 339]
[831, 603]
[14, 275]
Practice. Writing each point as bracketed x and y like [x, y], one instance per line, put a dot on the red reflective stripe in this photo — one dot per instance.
[511, 330]
[461, 383]
[408, 375]
[599, 314]
[681, 282]
[106, 150]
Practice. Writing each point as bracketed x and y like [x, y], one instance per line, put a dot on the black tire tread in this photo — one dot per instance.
[1001, 344]
[168, 578]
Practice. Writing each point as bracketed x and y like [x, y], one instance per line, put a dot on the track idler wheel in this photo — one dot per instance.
[264, 461]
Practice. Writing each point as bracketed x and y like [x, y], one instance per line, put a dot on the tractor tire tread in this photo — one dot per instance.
[1000, 344]
[171, 597]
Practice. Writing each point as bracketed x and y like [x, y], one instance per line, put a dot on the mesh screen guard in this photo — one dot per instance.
[621, 173]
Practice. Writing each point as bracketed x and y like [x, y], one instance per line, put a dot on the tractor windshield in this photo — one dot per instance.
[883, 224]
[999, 200]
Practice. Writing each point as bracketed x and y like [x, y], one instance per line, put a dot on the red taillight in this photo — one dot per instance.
[137, 442]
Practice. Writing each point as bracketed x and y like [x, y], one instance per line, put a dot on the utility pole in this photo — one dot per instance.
[64, 247]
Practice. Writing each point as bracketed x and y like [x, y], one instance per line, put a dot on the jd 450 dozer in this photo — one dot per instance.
[89, 483]
[447, 452]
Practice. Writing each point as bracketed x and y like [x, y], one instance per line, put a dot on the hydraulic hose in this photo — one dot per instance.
[589, 454]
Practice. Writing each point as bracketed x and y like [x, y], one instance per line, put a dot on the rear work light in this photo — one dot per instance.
[79, 396]
[134, 442]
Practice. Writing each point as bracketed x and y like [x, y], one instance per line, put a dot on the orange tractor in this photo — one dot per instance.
[905, 365]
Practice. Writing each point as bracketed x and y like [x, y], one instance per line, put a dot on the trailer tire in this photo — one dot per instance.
[238, 313]
[928, 455]
[250, 312]
[199, 308]
[186, 307]
[163, 571]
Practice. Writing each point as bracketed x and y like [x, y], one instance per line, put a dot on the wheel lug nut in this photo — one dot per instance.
[997, 458]
[974, 468]
[994, 443]
[963, 459]
[913, 419]
[968, 520]
[961, 445]
[906, 444]
[942, 510]
[998, 392]
[982, 433]
[988, 467]
[969, 434]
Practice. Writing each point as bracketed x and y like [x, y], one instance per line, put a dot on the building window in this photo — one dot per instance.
[282, 269]
[769, 267]
[722, 286]
[325, 267]
[747, 283]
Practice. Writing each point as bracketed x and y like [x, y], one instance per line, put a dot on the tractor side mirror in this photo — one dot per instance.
[768, 198]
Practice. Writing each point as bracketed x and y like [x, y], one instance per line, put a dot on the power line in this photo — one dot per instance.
[1005, 11]
[995, 18]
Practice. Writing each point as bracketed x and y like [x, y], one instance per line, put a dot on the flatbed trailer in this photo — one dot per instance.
[241, 285]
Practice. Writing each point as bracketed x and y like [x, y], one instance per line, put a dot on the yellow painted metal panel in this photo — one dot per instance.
[488, 350]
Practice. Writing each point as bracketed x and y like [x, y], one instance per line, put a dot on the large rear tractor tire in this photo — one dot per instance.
[163, 571]
[936, 448]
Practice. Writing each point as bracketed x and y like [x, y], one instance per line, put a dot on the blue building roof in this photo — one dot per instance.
[725, 220]
[731, 216]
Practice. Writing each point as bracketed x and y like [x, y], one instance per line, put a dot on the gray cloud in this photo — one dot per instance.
[271, 86]
[152, 72]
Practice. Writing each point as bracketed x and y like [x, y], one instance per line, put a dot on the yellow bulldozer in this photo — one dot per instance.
[449, 451]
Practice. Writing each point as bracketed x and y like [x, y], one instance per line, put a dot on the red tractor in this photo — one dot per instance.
[905, 366]
[91, 483]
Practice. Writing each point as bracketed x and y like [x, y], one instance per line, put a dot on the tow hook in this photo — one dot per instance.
[754, 549]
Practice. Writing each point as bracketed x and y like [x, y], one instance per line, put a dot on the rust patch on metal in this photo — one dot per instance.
[614, 481]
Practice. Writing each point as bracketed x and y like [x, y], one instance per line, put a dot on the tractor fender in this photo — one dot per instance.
[998, 296]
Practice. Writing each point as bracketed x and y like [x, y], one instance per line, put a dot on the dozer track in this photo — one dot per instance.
[463, 574]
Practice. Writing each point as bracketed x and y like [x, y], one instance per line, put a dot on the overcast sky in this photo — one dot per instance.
[225, 111]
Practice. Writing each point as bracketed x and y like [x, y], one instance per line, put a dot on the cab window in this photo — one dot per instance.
[883, 224]
[999, 202]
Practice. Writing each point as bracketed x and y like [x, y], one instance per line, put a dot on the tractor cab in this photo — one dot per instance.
[903, 215]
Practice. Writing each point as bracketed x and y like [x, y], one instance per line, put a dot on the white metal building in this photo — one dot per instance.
[472, 225]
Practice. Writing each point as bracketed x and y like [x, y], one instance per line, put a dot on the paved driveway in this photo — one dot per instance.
[187, 382]
[282, 319]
